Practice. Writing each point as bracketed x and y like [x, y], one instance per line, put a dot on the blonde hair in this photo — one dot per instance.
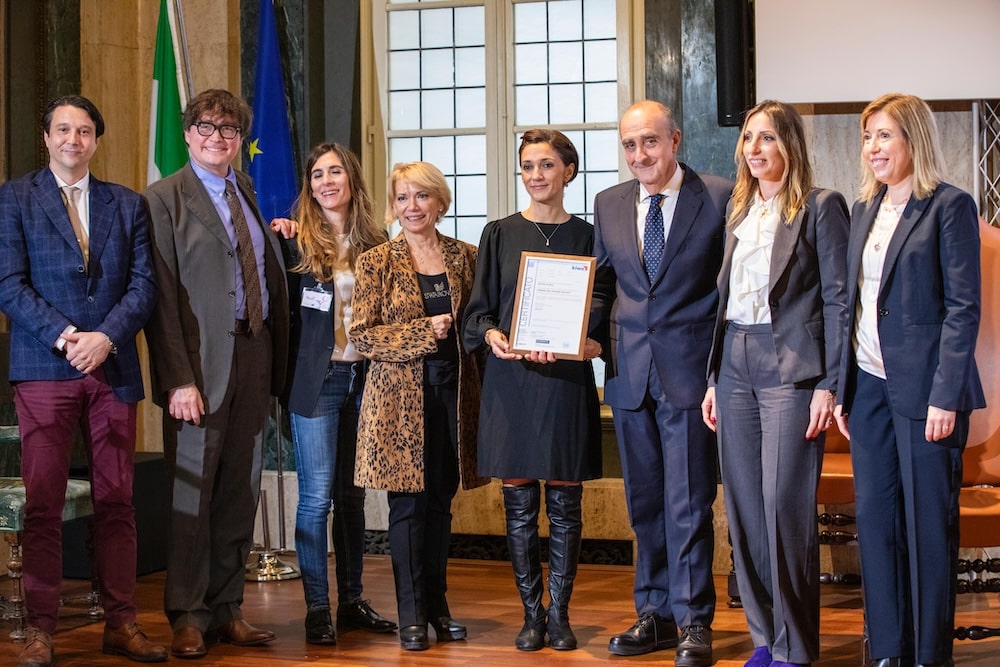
[916, 122]
[322, 254]
[425, 176]
[797, 179]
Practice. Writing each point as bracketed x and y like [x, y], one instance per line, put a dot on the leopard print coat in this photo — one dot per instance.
[388, 325]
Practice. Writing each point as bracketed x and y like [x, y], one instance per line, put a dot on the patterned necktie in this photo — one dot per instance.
[71, 199]
[248, 261]
[652, 240]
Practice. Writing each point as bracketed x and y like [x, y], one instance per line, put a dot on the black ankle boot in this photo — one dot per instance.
[562, 504]
[521, 504]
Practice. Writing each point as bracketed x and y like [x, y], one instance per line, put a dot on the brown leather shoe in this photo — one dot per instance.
[130, 641]
[240, 633]
[188, 643]
[37, 651]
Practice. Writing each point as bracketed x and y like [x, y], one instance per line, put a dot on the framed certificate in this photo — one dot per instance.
[552, 304]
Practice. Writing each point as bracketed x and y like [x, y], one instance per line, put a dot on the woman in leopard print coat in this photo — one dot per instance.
[419, 412]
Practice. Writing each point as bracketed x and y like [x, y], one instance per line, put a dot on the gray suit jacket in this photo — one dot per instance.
[807, 292]
[189, 334]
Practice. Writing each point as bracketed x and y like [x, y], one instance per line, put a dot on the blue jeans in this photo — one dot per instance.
[325, 445]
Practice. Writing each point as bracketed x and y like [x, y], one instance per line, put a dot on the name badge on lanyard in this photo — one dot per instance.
[317, 298]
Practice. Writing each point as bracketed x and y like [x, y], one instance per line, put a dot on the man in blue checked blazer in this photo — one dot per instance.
[77, 283]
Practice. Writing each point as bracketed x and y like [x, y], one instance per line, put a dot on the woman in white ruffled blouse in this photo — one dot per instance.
[773, 377]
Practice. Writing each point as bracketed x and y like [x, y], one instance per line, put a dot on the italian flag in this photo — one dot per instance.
[167, 150]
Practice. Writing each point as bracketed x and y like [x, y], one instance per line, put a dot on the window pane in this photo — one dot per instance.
[470, 195]
[600, 61]
[437, 109]
[469, 27]
[530, 22]
[575, 198]
[532, 104]
[470, 230]
[598, 181]
[567, 104]
[470, 67]
[601, 102]
[438, 69]
[406, 149]
[440, 151]
[404, 70]
[530, 63]
[435, 28]
[404, 30]
[470, 154]
[564, 20]
[600, 150]
[404, 111]
[599, 19]
[470, 107]
[565, 63]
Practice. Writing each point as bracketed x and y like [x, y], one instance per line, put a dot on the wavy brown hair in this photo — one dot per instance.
[320, 251]
[797, 178]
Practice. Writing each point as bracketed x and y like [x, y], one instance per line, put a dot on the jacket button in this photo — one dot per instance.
[650, 330]
[81, 269]
[232, 293]
[652, 297]
[90, 299]
[882, 312]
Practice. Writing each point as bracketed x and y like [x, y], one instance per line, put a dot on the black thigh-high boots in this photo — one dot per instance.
[562, 503]
[522, 505]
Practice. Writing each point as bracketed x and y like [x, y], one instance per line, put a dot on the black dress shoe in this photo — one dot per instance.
[414, 638]
[942, 663]
[695, 647]
[359, 614]
[319, 627]
[890, 662]
[650, 633]
[447, 628]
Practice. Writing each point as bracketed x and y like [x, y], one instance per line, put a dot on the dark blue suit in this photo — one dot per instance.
[44, 288]
[661, 334]
[906, 487]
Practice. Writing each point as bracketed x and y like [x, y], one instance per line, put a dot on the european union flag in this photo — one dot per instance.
[271, 163]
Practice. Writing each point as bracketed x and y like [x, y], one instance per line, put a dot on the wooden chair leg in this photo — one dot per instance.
[14, 609]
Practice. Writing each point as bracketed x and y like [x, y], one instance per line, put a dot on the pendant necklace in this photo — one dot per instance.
[549, 237]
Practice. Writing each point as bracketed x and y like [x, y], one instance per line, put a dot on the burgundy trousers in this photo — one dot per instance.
[48, 414]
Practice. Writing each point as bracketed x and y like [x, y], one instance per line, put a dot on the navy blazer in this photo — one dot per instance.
[44, 286]
[928, 303]
[807, 292]
[667, 324]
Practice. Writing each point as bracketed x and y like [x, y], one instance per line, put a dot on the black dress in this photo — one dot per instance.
[536, 421]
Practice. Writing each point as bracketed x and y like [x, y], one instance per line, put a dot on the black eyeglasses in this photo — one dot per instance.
[208, 128]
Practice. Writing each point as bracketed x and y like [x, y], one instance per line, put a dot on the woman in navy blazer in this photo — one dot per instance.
[773, 376]
[334, 224]
[909, 378]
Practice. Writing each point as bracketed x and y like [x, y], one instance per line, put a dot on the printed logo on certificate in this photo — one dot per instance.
[552, 304]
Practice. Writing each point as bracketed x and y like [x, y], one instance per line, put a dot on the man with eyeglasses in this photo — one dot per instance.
[218, 342]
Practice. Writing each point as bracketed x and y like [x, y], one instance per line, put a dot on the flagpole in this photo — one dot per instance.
[185, 62]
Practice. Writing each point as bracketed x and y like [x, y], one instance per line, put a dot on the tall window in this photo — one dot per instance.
[461, 80]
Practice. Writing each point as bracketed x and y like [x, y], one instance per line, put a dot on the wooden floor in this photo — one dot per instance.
[482, 595]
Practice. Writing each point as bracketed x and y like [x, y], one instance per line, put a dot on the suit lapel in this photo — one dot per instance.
[860, 228]
[722, 281]
[629, 236]
[907, 221]
[46, 192]
[785, 240]
[198, 202]
[685, 213]
[102, 214]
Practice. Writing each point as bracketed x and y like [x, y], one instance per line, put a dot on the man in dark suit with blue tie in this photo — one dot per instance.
[76, 281]
[662, 233]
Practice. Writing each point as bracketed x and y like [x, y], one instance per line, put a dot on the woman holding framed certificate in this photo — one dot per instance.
[539, 416]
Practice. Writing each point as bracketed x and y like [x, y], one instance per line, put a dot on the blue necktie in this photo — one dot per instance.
[652, 240]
